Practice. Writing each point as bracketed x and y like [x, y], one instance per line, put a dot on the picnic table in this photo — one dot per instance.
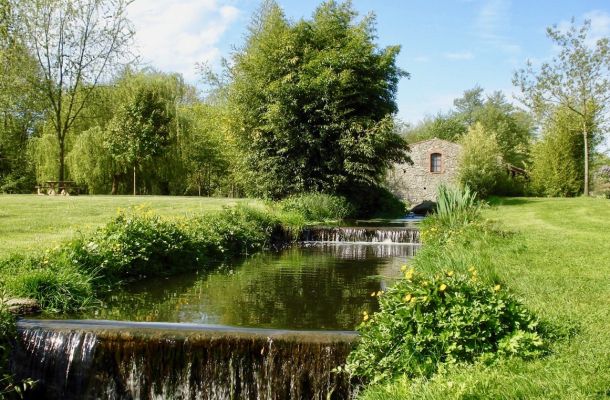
[52, 188]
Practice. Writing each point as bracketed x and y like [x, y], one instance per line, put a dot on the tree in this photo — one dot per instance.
[21, 110]
[577, 79]
[313, 102]
[480, 161]
[141, 128]
[446, 127]
[77, 44]
[557, 163]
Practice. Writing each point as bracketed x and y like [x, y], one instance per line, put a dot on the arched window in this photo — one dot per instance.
[435, 162]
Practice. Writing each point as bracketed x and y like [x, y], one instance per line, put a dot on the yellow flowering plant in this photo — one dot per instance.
[426, 321]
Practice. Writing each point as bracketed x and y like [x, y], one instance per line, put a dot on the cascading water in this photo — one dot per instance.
[114, 360]
[402, 235]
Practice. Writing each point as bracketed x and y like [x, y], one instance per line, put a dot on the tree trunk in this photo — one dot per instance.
[115, 184]
[134, 179]
[62, 157]
[585, 134]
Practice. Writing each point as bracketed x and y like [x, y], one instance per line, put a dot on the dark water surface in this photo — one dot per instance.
[316, 287]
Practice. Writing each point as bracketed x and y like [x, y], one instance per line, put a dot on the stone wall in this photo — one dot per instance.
[416, 183]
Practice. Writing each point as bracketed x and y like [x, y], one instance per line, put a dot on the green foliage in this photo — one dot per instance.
[481, 161]
[603, 180]
[310, 116]
[427, 322]
[446, 127]
[456, 207]
[138, 244]
[89, 161]
[374, 201]
[576, 82]
[557, 164]
[318, 206]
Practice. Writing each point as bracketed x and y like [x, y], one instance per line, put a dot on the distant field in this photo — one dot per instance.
[30, 222]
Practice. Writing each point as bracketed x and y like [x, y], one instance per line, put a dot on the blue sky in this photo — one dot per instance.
[447, 46]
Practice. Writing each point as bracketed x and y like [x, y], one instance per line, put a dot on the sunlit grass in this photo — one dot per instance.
[30, 223]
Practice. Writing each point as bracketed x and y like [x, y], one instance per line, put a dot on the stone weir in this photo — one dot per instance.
[127, 360]
[365, 234]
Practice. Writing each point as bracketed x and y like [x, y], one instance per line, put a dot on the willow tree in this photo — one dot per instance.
[77, 44]
[577, 80]
[313, 102]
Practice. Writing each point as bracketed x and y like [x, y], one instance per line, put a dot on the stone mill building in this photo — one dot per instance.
[435, 161]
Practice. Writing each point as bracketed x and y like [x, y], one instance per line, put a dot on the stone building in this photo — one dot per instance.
[435, 161]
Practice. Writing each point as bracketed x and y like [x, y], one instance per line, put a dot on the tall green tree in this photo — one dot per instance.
[480, 161]
[77, 44]
[557, 163]
[141, 129]
[577, 80]
[21, 111]
[314, 102]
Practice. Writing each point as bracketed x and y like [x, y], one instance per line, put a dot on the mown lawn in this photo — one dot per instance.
[558, 264]
[29, 222]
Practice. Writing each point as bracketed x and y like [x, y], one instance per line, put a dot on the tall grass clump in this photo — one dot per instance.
[456, 206]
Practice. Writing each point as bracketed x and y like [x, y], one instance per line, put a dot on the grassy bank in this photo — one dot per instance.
[556, 260]
[29, 223]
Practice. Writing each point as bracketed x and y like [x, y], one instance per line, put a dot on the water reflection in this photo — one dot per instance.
[324, 286]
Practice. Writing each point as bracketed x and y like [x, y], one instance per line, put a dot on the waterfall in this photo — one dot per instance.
[126, 360]
[402, 235]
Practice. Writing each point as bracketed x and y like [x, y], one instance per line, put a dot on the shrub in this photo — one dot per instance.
[374, 201]
[481, 161]
[603, 181]
[426, 321]
[318, 206]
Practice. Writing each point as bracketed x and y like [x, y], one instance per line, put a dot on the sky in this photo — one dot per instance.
[448, 46]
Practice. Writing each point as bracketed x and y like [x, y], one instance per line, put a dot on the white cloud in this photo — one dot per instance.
[173, 35]
[464, 55]
[493, 26]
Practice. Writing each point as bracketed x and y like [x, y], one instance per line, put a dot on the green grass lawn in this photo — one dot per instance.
[558, 264]
[29, 222]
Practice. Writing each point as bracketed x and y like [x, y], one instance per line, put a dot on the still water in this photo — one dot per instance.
[314, 287]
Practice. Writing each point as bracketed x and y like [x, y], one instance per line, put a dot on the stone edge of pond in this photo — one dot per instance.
[170, 330]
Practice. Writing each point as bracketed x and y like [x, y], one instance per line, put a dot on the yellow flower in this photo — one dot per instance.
[442, 287]
[408, 298]
[450, 273]
[425, 283]
[373, 294]
[403, 268]
[379, 293]
[424, 299]
[409, 274]
[413, 299]
[497, 287]
[366, 317]
[471, 269]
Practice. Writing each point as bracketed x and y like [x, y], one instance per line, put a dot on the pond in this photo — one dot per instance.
[321, 286]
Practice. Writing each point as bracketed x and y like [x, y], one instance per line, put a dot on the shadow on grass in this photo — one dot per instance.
[509, 201]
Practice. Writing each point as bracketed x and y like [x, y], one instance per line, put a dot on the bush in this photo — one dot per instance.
[318, 206]
[481, 161]
[448, 318]
[373, 201]
[602, 181]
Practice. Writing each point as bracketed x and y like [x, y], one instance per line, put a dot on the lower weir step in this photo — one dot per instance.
[124, 360]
